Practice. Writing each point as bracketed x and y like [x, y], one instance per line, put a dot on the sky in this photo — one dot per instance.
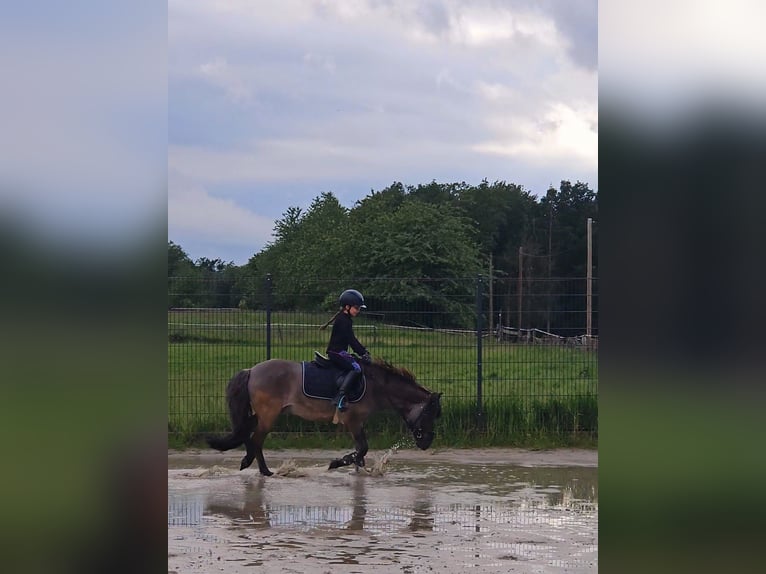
[206, 121]
[83, 116]
[272, 103]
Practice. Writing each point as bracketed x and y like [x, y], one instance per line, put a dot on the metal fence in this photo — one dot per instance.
[509, 356]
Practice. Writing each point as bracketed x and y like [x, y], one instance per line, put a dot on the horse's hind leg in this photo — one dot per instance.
[255, 449]
[247, 460]
[254, 445]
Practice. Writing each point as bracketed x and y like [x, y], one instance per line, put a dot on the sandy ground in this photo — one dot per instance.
[443, 510]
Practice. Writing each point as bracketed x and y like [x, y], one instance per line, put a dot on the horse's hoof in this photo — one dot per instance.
[266, 472]
[334, 464]
[245, 463]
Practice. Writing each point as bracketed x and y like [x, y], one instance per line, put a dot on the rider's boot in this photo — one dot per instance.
[348, 380]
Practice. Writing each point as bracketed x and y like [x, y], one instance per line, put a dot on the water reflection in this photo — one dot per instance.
[251, 509]
[529, 493]
[359, 509]
[422, 512]
[185, 510]
[488, 516]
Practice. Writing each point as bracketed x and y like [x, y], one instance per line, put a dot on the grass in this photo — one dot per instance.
[532, 395]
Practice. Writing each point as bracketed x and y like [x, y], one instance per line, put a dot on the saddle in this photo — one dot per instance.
[321, 378]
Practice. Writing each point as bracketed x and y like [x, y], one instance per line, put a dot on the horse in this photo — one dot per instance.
[258, 395]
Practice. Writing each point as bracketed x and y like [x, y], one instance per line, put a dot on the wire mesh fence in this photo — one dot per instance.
[510, 357]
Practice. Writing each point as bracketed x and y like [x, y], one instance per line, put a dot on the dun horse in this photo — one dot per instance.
[258, 395]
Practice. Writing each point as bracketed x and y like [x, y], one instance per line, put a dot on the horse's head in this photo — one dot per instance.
[418, 406]
[423, 427]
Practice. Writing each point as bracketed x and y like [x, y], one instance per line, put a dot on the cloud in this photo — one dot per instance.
[304, 97]
[697, 51]
[194, 212]
[577, 22]
[268, 161]
[562, 135]
[84, 120]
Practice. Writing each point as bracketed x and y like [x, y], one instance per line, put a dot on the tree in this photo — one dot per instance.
[308, 247]
[366, 210]
[501, 213]
[432, 250]
[178, 260]
[566, 212]
[435, 193]
[288, 224]
[570, 207]
[217, 280]
[435, 237]
[183, 285]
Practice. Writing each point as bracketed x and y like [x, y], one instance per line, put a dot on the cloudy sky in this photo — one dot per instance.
[83, 119]
[217, 116]
[271, 103]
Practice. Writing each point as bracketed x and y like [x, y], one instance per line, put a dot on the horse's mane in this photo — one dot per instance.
[400, 371]
[413, 391]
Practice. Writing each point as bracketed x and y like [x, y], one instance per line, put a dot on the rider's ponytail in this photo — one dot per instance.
[323, 327]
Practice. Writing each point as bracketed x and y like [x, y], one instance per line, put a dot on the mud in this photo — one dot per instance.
[491, 510]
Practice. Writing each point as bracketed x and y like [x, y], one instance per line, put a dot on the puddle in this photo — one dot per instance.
[402, 514]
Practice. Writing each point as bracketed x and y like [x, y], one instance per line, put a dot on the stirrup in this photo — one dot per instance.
[341, 403]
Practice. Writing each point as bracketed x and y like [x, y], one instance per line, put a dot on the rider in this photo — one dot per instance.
[342, 336]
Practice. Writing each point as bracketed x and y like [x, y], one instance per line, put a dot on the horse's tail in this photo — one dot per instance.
[238, 397]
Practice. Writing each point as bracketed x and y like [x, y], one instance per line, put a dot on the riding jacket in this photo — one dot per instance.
[343, 335]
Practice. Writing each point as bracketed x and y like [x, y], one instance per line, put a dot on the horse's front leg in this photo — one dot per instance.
[356, 457]
[343, 461]
[360, 441]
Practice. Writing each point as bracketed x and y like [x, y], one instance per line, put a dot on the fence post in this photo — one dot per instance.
[479, 328]
[268, 315]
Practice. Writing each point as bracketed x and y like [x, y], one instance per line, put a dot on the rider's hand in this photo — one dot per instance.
[366, 358]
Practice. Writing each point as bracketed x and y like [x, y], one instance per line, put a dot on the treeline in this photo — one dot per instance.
[428, 236]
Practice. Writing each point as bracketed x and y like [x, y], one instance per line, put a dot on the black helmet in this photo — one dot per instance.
[352, 297]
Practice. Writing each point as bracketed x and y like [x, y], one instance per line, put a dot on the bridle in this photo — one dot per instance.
[416, 427]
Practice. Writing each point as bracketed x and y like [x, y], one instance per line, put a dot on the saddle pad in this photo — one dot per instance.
[322, 383]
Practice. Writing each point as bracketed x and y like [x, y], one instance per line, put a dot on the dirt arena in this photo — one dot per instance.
[490, 510]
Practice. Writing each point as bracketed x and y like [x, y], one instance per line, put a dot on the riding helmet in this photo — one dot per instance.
[352, 297]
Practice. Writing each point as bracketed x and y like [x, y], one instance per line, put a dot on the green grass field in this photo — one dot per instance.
[531, 394]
